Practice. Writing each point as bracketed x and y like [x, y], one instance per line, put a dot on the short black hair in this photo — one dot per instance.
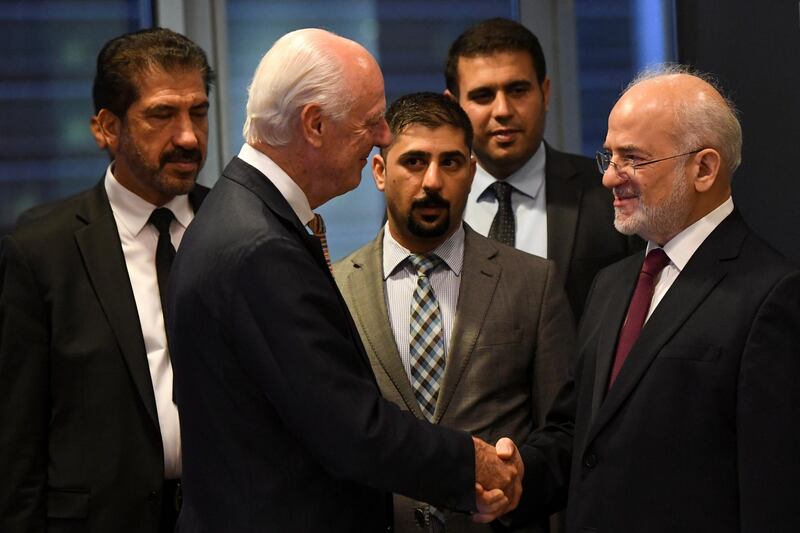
[123, 58]
[489, 37]
[429, 109]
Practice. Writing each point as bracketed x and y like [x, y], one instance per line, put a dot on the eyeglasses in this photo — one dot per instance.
[604, 161]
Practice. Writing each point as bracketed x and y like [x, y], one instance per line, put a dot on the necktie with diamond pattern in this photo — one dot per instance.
[427, 337]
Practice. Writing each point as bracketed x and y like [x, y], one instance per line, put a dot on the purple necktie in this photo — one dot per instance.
[654, 263]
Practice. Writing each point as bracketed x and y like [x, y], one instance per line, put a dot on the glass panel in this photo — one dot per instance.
[616, 39]
[409, 39]
[49, 51]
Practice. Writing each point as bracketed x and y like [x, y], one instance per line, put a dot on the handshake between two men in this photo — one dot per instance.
[498, 478]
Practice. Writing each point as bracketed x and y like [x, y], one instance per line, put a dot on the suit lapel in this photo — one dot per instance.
[365, 285]
[480, 276]
[614, 315]
[104, 261]
[704, 271]
[251, 178]
[563, 194]
[196, 196]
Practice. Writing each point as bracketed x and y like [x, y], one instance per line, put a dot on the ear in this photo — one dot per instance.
[473, 166]
[97, 133]
[546, 93]
[106, 127]
[311, 124]
[706, 165]
[450, 95]
[379, 172]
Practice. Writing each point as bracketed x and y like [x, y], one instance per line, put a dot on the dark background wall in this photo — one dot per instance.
[754, 50]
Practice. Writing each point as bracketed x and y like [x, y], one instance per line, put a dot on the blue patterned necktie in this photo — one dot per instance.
[427, 337]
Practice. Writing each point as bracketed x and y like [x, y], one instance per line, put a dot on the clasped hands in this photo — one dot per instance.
[498, 478]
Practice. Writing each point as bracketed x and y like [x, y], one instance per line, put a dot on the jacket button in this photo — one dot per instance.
[590, 460]
[153, 496]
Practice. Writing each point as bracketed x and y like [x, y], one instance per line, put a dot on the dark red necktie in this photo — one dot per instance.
[654, 263]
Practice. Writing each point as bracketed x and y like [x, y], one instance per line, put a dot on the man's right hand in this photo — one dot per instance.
[498, 478]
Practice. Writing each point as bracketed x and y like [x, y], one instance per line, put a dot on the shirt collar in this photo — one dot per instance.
[451, 251]
[133, 211]
[528, 179]
[682, 247]
[292, 192]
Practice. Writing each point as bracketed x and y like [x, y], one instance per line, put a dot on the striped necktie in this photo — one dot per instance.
[317, 227]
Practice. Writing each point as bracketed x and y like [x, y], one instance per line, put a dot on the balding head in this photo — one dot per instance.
[702, 116]
[303, 66]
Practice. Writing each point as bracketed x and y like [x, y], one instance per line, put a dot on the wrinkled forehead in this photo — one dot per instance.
[642, 112]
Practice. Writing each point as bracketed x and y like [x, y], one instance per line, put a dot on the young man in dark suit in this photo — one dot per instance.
[90, 438]
[527, 194]
[685, 388]
[504, 335]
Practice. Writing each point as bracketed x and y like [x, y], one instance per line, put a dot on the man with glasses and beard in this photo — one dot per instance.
[91, 435]
[685, 386]
[460, 330]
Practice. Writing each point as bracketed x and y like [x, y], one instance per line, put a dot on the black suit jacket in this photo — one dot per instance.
[699, 432]
[80, 448]
[581, 237]
[283, 426]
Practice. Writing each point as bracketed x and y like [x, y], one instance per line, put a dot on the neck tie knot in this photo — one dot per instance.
[317, 225]
[425, 264]
[161, 218]
[502, 191]
[655, 262]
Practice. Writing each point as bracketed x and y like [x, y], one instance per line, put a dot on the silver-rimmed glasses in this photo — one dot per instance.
[626, 164]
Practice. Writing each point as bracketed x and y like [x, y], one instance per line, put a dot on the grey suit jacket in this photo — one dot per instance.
[511, 345]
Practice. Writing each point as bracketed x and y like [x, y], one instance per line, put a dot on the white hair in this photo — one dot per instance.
[298, 70]
[702, 122]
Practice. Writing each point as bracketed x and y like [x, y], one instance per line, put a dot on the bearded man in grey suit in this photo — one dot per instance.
[460, 330]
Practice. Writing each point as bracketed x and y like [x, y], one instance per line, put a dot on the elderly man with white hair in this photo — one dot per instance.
[284, 427]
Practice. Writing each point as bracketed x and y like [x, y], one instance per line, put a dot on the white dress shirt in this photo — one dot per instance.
[527, 201]
[292, 192]
[400, 279]
[139, 240]
[682, 247]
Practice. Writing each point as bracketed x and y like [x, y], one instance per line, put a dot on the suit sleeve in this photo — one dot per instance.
[24, 353]
[547, 451]
[555, 346]
[295, 338]
[768, 410]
